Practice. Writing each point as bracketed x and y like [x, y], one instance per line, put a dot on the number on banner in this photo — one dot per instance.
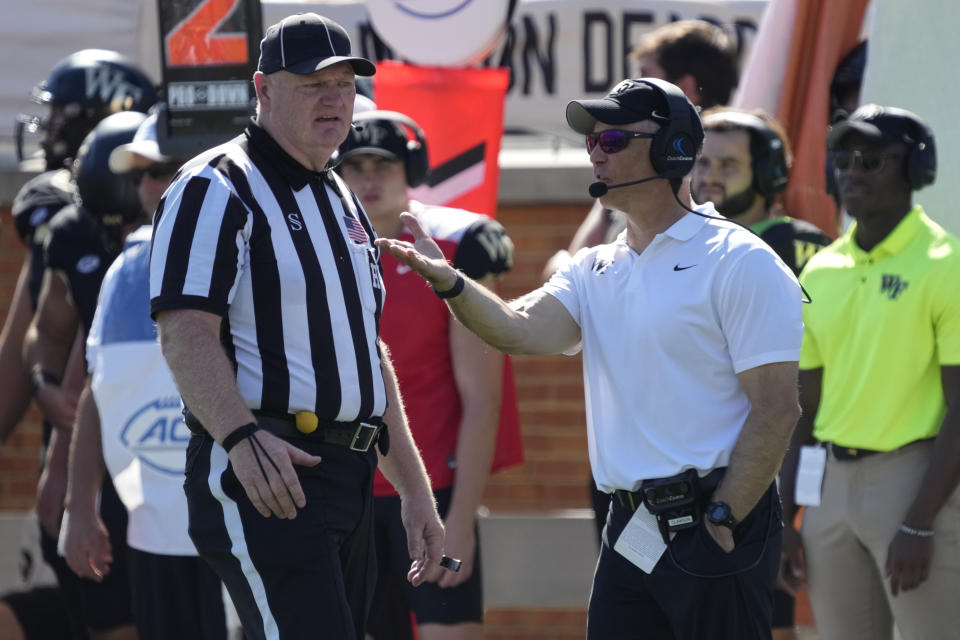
[192, 42]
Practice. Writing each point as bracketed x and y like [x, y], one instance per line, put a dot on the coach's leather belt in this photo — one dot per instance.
[356, 436]
[705, 485]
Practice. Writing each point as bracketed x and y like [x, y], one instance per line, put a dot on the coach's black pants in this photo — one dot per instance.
[310, 577]
[676, 602]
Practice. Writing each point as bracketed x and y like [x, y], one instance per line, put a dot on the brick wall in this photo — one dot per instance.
[18, 457]
[549, 390]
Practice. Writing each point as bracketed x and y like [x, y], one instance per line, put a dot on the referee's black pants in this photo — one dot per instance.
[676, 601]
[310, 577]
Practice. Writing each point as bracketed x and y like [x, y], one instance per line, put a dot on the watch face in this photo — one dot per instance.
[718, 513]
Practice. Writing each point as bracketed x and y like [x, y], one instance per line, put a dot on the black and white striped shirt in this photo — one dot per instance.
[285, 255]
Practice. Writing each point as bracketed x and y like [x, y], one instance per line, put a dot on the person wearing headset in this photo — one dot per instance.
[880, 390]
[742, 168]
[455, 391]
[690, 329]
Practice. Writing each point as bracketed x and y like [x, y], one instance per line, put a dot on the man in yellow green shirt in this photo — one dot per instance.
[880, 391]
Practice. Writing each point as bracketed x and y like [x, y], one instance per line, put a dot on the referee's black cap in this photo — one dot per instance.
[307, 42]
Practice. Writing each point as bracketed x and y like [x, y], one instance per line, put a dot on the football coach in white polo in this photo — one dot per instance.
[690, 328]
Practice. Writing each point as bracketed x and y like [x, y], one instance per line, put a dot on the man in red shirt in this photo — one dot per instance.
[456, 389]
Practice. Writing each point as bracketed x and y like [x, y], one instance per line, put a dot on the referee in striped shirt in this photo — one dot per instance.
[265, 285]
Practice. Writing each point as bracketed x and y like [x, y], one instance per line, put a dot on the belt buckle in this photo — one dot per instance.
[363, 437]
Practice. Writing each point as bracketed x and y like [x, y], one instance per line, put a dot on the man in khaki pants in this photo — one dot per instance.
[880, 389]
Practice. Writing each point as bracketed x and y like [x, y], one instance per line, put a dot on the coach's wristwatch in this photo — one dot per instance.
[719, 514]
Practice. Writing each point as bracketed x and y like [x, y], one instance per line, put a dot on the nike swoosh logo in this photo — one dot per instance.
[677, 267]
[403, 268]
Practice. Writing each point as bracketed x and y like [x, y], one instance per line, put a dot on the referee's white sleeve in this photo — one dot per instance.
[201, 231]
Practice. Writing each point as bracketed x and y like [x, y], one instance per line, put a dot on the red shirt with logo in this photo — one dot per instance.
[415, 325]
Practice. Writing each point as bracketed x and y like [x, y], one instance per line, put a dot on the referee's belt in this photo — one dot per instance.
[356, 436]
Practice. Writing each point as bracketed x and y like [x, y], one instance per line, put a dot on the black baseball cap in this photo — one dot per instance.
[375, 136]
[629, 101]
[307, 42]
[883, 125]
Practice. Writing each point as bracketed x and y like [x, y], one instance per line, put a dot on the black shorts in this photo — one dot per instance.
[176, 597]
[42, 614]
[104, 605]
[396, 598]
[784, 610]
[309, 577]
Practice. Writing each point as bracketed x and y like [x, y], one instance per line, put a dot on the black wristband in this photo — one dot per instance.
[453, 291]
[40, 377]
[240, 433]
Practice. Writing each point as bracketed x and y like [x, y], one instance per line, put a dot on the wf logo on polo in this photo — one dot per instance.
[892, 286]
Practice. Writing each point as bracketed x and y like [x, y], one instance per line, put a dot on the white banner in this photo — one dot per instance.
[557, 50]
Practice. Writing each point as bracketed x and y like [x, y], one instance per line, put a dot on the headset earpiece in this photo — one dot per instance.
[674, 148]
[921, 158]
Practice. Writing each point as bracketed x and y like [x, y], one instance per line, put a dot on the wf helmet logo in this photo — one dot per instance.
[892, 286]
[111, 87]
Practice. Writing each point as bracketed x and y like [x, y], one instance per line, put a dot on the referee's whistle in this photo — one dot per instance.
[450, 564]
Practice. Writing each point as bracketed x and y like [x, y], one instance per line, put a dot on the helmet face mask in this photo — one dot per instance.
[81, 90]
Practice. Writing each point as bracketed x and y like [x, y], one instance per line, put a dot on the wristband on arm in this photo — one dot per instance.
[919, 533]
[240, 433]
[453, 291]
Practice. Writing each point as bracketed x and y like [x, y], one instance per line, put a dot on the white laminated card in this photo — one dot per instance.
[813, 461]
[641, 542]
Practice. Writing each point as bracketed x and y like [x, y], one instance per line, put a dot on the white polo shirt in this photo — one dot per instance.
[664, 335]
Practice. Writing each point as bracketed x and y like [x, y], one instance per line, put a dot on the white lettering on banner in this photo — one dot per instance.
[208, 95]
[557, 51]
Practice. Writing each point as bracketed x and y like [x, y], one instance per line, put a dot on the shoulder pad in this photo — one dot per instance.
[484, 249]
[38, 200]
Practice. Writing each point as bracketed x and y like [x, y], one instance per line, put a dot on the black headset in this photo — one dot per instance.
[415, 160]
[767, 150]
[674, 147]
[922, 155]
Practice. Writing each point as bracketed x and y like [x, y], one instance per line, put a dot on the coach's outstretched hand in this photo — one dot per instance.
[423, 255]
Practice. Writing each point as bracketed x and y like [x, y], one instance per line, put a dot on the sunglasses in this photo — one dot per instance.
[157, 171]
[613, 140]
[869, 161]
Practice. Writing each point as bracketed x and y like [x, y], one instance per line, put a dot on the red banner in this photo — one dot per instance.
[461, 113]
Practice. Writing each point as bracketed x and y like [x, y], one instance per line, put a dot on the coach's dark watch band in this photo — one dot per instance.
[453, 291]
[719, 514]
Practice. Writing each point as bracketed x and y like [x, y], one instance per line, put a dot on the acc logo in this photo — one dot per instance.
[440, 33]
[88, 263]
[436, 11]
[157, 435]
